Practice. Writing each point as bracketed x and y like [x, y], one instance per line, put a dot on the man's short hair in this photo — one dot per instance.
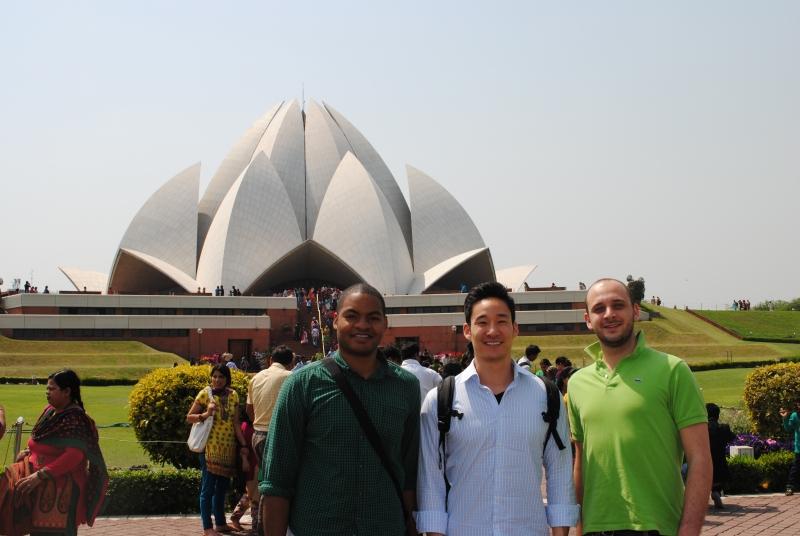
[532, 351]
[283, 355]
[361, 288]
[604, 280]
[713, 411]
[561, 360]
[409, 350]
[545, 362]
[392, 354]
[490, 289]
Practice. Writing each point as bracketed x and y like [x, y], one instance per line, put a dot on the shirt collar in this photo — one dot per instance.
[411, 362]
[382, 371]
[596, 352]
[278, 365]
[470, 372]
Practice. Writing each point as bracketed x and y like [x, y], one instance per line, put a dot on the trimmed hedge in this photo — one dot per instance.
[766, 390]
[766, 474]
[772, 339]
[143, 492]
[717, 365]
[158, 406]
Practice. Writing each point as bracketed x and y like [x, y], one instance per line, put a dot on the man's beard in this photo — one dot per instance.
[622, 340]
[360, 352]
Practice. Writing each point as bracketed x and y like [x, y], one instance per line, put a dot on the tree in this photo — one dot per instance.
[635, 288]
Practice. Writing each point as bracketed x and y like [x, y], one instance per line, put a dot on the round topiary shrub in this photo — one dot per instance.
[159, 403]
[766, 390]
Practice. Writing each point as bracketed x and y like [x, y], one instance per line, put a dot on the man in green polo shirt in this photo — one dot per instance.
[633, 415]
[321, 476]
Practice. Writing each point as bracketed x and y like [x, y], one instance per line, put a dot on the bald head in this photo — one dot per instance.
[605, 283]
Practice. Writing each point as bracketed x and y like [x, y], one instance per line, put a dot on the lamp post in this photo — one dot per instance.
[454, 329]
[199, 344]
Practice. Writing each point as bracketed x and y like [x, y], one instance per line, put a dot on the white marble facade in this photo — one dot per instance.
[298, 174]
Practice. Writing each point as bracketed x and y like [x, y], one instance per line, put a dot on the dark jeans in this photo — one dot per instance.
[794, 472]
[259, 444]
[212, 496]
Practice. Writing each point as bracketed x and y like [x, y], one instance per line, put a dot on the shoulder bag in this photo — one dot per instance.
[198, 437]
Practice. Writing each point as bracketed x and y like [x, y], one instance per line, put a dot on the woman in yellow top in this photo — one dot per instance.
[225, 443]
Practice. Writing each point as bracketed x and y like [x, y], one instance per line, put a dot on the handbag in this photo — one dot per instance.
[198, 436]
[368, 428]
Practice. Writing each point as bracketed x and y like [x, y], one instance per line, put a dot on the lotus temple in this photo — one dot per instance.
[301, 200]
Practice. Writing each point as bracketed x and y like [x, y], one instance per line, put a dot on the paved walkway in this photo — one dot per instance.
[750, 515]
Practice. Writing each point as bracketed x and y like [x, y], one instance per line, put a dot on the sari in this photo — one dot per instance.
[66, 445]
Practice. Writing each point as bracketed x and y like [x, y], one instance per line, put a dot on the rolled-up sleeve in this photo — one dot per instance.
[562, 509]
[431, 494]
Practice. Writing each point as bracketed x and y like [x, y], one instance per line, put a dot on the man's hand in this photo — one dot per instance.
[783, 412]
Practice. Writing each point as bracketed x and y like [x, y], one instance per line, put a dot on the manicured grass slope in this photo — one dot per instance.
[677, 333]
[106, 405]
[90, 359]
[724, 387]
[767, 324]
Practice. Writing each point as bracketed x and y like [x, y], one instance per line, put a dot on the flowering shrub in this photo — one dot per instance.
[761, 445]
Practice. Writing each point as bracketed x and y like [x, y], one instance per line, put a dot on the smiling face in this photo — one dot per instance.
[56, 396]
[360, 324]
[491, 330]
[218, 380]
[610, 313]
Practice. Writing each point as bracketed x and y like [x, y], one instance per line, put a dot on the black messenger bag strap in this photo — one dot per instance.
[366, 426]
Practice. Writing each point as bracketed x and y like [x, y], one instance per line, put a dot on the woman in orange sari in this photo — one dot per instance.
[59, 481]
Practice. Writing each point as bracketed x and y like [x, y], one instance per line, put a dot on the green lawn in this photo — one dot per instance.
[106, 405]
[90, 359]
[723, 387]
[769, 324]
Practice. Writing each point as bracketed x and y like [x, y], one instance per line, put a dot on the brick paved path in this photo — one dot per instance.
[752, 515]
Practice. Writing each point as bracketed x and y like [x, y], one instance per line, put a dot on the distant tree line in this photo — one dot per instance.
[778, 305]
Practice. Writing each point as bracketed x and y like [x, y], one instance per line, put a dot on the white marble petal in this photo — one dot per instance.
[229, 170]
[357, 224]
[423, 282]
[255, 226]
[377, 169]
[86, 279]
[166, 225]
[441, 227]
[188, 283]
[514, 277]
[325, 147]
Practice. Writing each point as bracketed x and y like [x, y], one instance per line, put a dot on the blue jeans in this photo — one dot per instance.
[212, 496]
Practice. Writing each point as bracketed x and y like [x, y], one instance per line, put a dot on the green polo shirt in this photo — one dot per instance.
[628, 421]
[318, 457]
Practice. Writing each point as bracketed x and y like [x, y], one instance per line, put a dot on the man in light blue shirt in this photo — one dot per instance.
[494, 457]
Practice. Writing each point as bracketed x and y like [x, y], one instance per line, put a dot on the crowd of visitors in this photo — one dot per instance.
[741, 305]
[393, 441]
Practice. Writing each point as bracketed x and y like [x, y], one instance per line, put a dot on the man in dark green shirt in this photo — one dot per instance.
[321, 476]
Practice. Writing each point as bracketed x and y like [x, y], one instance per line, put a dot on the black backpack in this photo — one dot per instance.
[445, 413]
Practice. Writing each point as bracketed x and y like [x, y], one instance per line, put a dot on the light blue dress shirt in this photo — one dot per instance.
[495, 462]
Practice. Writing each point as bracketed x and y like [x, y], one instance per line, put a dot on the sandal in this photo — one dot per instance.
[224, 529]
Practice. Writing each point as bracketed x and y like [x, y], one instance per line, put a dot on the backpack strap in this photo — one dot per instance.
[444, 414]
[551, 415]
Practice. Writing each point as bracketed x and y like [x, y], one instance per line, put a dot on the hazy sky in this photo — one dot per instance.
[660, 139]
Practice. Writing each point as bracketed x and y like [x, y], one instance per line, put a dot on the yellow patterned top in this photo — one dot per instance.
[221, 448]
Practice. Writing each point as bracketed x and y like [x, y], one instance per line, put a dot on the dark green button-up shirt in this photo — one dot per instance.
[318, 457]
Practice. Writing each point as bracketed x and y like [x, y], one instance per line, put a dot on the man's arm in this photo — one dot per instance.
[577, 479]
[432, 514]
[562, 510]
[274, 515]
[251, 412]
[698, 481]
